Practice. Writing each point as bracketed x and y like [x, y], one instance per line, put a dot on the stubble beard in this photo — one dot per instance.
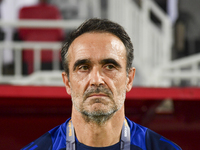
[100, 116]
[97, 115]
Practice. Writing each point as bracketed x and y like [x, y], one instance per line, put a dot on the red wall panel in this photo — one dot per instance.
[27, 112]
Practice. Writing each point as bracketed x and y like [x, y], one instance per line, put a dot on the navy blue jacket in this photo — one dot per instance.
[142, 138]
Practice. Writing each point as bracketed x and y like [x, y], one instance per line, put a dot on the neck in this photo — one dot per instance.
[97, 135]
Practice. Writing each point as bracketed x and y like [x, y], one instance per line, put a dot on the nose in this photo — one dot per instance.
[96, 79]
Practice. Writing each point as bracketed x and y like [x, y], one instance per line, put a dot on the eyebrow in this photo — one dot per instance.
[80, 62]
[103, 62]
[110, 61]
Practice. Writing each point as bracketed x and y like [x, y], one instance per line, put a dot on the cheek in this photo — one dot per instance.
[78, 85]
[118, 84]
[79, 78]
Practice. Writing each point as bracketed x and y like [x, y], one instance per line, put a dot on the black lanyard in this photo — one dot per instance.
[125, 136]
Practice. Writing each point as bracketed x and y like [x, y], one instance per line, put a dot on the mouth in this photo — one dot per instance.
[97, 95]
[98, 98]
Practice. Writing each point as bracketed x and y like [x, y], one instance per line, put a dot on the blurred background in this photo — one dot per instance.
[166, 91]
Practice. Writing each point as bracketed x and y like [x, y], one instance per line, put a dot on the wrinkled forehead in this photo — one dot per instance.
[96, 44]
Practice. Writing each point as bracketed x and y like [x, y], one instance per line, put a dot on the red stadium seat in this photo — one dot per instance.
[40, 11]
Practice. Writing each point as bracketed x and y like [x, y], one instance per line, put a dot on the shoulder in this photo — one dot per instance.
[143, 138]
[43, 142]
[156, 141]
[53, 139]
[138, 134]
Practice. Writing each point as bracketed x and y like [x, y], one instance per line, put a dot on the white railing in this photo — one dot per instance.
[65, 24]
[38, 76]
[152, 45]
[182, 70]
[17, 77]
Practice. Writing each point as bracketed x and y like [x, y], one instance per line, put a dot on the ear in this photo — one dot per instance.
[66, 82]
[130, 77]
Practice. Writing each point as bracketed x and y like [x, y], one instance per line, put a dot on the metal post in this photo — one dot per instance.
[1, 62]
[18, 62]
[56, 62]
[37, 59]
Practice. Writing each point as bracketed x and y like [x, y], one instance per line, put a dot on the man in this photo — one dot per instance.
[97, 60]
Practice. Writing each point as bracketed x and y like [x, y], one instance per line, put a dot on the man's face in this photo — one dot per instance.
[98, 80]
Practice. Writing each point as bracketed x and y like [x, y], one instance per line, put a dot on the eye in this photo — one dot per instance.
[83, 68]
[110, 67]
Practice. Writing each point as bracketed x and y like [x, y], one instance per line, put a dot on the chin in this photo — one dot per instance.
[99, 111]
[98, 117]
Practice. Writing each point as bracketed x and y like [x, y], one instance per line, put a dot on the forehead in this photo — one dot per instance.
[97, 46]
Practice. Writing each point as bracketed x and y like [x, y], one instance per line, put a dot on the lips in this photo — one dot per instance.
[97, 92]
[97, 95]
